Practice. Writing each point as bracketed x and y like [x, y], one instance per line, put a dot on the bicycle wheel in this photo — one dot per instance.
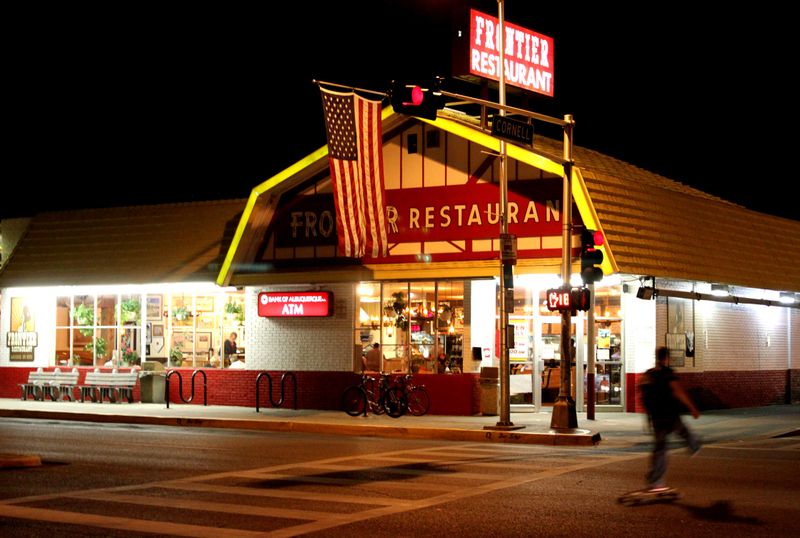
[418, 401]
[395, 403]
[354, 401]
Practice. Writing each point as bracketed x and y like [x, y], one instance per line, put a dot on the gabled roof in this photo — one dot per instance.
[653, 225]
[182, 242]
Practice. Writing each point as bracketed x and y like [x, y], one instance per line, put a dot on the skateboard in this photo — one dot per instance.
[644, 496]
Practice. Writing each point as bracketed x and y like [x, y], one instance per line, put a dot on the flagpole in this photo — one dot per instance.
[318, 82]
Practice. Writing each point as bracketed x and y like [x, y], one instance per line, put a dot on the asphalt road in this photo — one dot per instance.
[140, 480]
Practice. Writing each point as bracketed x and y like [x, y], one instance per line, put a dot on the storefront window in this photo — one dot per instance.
[415, 322]
[181, 329]
[369, 321]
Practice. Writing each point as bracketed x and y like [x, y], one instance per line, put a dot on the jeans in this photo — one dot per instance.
[658, 463]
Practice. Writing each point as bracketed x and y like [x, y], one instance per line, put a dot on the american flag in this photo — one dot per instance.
[355, 154]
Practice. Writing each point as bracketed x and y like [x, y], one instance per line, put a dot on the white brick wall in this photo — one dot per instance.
[302, 344]
[742, 337]
[728, 337]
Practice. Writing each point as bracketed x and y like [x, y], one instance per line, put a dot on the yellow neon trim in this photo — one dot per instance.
[579, 192]
[515, 152]
[583, 202]
[223, 278]
[224, 272]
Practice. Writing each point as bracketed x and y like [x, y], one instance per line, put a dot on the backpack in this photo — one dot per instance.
[655, 393]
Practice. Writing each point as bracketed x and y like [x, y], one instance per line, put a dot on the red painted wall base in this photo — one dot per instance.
[456, 395]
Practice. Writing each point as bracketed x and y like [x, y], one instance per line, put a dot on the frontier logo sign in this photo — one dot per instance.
[528, 55]
[291, 304]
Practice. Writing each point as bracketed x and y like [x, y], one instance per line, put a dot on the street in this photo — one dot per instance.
[126, 480]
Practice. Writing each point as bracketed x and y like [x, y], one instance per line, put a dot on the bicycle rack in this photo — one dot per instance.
[279, 403]
[180, 386]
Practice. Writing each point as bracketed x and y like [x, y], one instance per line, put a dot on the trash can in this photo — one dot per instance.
[152, 381]
[490, 390]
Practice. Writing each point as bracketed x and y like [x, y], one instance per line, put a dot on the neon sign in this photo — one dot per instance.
[291, 304]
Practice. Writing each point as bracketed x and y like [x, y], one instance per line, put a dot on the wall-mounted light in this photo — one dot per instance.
[720, 290]
[787, 298]
[645, 293]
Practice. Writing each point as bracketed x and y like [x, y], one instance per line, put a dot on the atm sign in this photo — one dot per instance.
[293, 304]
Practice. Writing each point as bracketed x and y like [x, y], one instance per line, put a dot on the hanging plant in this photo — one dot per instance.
[233, 308]
[399, 307]
[83, 315]
[129, 309]
[234, 311]
[180, 313]
[445, 313]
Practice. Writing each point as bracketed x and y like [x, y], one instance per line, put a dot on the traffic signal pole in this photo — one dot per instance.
[565, 416]
[592, 367]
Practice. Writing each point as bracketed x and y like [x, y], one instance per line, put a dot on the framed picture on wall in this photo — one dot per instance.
[154, 307]
[158, 329]
[203, 341]
[204, 303]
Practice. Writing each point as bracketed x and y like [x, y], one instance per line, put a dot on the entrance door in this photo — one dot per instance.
[536, 361]
[608, 363]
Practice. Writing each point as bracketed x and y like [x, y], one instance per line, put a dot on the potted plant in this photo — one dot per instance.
[84, 315]
[130, 308]
[176, 355]
[129, 356]
[180, 313]
[234, 311]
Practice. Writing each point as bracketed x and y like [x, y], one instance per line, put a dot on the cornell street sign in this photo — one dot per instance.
[513, 130]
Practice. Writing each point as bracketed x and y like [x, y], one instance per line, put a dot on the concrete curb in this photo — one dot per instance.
[13, 461]
[576, 438]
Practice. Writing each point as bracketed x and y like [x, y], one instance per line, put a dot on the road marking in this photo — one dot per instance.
[431, 476]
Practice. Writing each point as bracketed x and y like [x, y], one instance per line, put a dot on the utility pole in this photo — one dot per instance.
[564, 414]
[506, 267]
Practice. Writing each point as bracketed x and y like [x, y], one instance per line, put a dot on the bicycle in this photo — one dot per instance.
[385, 398]
[417, 397]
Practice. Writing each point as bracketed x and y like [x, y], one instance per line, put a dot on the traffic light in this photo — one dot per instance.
[579, 298]
[416, 100]
[591, 257]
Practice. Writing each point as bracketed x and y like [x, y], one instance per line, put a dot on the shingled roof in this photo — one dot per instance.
[182, 242]
[659, 227]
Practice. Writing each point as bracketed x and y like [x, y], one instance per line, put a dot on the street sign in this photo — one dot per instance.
[508, 248]
[513, 130]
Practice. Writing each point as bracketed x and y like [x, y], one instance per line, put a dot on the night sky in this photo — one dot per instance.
[123, 106]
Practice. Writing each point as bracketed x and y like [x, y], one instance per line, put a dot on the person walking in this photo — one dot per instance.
[662, 396]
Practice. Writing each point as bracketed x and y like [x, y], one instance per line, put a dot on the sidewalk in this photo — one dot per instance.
[608, 429]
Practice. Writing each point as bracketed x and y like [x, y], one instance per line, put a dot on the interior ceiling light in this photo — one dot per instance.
[720, 290]
[787, 298]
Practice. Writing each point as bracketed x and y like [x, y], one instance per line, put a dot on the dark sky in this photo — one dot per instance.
[125, 105]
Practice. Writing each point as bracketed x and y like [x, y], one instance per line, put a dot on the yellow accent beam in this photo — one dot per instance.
[579, 192]
[590, 219]
[224, 276]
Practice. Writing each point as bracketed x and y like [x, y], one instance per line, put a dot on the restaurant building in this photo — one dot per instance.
[311, 310]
